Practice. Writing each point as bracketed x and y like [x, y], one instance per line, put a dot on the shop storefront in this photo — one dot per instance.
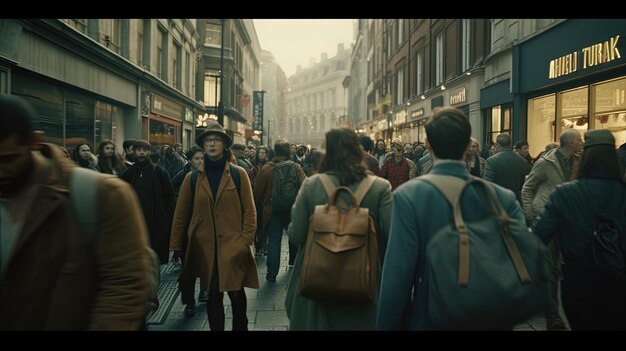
[496, 102]
[69, 116]
[165, 122]
[571, 76]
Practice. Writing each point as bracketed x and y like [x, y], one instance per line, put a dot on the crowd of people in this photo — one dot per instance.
[214, 209]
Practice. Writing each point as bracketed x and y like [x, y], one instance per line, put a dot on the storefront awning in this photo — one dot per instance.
[229, 111]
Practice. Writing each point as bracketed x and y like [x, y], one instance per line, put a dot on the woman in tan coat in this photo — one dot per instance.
[220, 220]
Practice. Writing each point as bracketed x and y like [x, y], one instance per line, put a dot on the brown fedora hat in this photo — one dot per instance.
[214, 128]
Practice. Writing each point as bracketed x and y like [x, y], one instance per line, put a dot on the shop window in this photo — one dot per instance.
[108, 118]
[79, 121]
[498, 121]
[541, 126]
[572, 108]
[162, 133]
[610, 108]
[47, 101]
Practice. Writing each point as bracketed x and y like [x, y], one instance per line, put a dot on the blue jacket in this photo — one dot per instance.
[419, 210]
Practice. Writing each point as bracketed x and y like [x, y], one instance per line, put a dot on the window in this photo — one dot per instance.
[400, 31]
[419, 72]
[400, 87]
[541, 126]
[110, 34]
[609, 110]
[163, 133]
[211, 87]
[439, 59]
[140, 42]
[466, 45]
[177, 66]
[572, 110]
[79, 120]
[79, 24]
[322, 123]
[160, 54]
[499, 120]
[188, 78]
[213, 34]
[47, 101]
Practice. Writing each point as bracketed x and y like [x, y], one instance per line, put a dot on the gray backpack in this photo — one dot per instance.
[84, 198]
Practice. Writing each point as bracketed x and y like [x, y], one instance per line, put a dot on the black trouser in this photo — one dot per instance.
[215, 305]
[293, 251]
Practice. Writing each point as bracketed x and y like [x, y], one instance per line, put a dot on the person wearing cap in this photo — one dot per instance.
[553, 168]
[220, 221]
[592, 298]
[154, 188]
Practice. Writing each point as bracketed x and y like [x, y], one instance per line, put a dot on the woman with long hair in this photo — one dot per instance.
[592, 297]
[343, 164]
[108, 160]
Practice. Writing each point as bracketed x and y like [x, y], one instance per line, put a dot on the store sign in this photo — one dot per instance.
[417, 113]
[458, 97]
[188, 115]
[257, 110]
[590, 56]
[165, 107]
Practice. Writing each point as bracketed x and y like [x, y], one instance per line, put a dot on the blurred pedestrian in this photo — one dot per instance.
[50, 276]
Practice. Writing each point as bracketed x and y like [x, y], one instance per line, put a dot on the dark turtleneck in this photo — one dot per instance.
[214, 171]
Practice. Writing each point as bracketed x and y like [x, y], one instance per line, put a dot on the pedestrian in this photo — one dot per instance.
[398, 169]
[404, 302]
[220, 219]
[475, 164]
[108, 160]
[592, 298]
[370, 161]
[156, 196]
[553, 168]
[507, 168]
[50, 276]
[84, 157]
[277, 219]
[343, 163]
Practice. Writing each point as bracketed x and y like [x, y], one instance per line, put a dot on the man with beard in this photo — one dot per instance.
[52, 276]
[156, 196]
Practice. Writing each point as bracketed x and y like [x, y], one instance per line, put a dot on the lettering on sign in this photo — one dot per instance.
[590, 56]
[417, 113]
[458, 97]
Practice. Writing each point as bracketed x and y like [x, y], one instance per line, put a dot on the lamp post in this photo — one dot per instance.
[220, 105]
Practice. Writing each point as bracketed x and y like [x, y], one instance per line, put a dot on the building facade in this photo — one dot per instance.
[317, 99]
[357, 103]
[274, 84]
[239, 56]
[96, 79]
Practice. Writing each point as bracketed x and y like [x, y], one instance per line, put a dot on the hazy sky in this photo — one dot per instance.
[294, 41]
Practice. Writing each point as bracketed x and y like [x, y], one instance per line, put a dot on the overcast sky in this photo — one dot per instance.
[294, 41]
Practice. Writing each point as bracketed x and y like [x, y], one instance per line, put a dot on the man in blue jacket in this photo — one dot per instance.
[419, 210]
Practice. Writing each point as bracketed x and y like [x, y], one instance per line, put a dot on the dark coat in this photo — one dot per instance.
[597, 298]
[164, 204]
[507, 169]
[177, 181]
[53, 280]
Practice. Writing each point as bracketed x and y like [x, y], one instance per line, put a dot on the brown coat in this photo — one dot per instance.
[52, 280]
[223, 221]
[262, 187]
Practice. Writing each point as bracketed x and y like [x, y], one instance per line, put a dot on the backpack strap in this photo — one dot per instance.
[194, 180]
[450, 187]
[84, 198]
[327, 183]
[234, 173]
[363, 188]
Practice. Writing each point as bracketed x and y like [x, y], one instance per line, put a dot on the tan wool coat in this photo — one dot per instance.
[55, 281]
[224, 226]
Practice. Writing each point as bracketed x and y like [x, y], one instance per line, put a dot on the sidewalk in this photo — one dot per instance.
[266, 305]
